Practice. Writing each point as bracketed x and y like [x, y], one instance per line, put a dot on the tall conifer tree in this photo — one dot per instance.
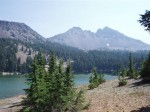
[130, 71]
[51, 83]
[30, 102]
[54, 91]
[69, 91]
[145, 71]
[59, 88]
[36, 92]
[95, 79]
[41, 80]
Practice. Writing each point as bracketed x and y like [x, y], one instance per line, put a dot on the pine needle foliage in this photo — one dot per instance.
[122, 76]
[35, 101]
[95, 79]
[145, 20]
[145, 71]
[131, 72]
[51, 91]
[130, 67]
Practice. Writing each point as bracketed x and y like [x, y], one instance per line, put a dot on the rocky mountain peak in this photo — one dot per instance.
[99, 32]
[110, 31]
[106, 38]
[19, 31]
[75, 30]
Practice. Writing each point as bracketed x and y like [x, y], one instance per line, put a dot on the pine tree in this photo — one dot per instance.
[22, 48]
[32, 95]
[121, 78]
[59, 87]
[51, 92]
[41, 81]
[69, 91]
[101, 78]
[78, 104]
[29, 52]
[36, 93]
[145, 20]
[145, 71]
[69, 83]
[61, 69]
[130, 71]
[51, 83]
[95, 79]
[52, 63]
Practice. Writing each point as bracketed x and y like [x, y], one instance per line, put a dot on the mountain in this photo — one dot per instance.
[19, 44]
[103, 39]
[21, 31]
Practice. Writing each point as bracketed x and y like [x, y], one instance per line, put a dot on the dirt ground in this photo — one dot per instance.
[108, 97]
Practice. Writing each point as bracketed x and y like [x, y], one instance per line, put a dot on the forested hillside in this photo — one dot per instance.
[104, 61]
[9, 61]
[19, 44]
[83, 62]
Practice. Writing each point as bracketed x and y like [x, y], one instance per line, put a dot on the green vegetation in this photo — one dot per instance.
[52, 91]
[8, 58]
[83, 62]
[131, 72]
[36, 92]
[121, 78]
[145, 20]
[130, 67]
[145, 71]
[95, 79]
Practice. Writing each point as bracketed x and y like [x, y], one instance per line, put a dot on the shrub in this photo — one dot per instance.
[95, 79]
[79, 102]
[136, 74]
[122, 80]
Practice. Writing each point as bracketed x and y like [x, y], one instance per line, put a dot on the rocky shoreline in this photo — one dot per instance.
[108, 97]
[11, 104]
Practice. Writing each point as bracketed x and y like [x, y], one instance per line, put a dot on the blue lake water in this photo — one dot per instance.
[14, 85]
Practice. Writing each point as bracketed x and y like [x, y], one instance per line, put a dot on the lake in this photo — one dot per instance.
[14, 85]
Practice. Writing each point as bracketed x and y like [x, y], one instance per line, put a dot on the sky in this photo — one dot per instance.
[51, 17]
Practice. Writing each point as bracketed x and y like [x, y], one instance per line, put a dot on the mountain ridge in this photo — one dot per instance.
[16, 30]
[102, 39]
[16, 53]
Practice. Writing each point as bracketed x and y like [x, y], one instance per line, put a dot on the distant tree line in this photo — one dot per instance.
[8, 58]
[83, 62]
